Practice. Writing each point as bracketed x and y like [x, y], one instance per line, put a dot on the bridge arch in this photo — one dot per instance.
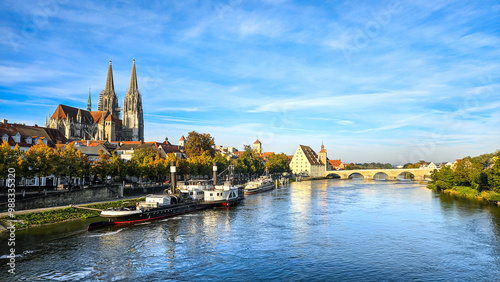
[381, 176]
[356, 175]
[405, 175]
[334, 175]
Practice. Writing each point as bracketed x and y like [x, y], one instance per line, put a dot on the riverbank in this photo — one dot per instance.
[471, 193]
[44, 217]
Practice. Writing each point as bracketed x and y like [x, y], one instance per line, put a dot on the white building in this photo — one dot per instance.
[306, 162]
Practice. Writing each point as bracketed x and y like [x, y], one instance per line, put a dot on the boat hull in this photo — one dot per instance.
[147, 215]
[261, 189]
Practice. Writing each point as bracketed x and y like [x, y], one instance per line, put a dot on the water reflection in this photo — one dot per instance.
[321, 230]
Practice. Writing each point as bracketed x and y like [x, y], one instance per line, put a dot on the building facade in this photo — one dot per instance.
[306, 162]
[105, 123]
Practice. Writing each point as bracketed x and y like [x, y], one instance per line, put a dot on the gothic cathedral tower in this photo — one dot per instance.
[132, 109]
[108, 101]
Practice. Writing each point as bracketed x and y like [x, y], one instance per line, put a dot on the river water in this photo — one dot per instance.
[310, 231]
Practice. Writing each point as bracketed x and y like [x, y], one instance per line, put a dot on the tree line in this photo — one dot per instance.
[146, 163]
[481, 173]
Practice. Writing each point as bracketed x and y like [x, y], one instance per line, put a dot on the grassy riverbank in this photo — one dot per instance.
[55, 216]
[468, 192]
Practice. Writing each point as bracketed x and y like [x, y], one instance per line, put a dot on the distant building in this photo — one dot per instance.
[430, 165]
[448, 164]
[126, 149]
[182, 142]
[323, 158]
[257, 146]
[26, 136]
[337, 164]
[306, 162]
[92, 150]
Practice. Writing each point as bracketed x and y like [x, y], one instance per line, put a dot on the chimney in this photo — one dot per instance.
[4, 121]
[88, 143]
[36, 125]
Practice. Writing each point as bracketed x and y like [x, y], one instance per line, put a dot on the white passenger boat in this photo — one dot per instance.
[261, 184]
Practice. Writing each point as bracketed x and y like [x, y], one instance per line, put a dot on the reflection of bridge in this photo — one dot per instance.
[389, 174]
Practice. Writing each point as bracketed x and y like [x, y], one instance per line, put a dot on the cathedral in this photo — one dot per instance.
[105, 123]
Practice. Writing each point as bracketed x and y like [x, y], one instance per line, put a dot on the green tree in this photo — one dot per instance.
[198, 144]
[442, 179]
[142, 162]
[101, 167]
[278, 163]
[182, 165]
[73, 163]
[494, 176]
[221, 161]
[40, 160]
[201, 165]
[10, 158]
[117, 167]
[249, 162]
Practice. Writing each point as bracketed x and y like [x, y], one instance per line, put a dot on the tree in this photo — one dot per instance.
[182, 165]
[10, 158]
[249, 162]
[278, 163]
[73, 163]
[141, 164]
[467, 173]
[101, 167]
[40, 160]
[494, 176]
[117, 167]
[201, 165]
[442, 179]
[221, 161]
[199, 143]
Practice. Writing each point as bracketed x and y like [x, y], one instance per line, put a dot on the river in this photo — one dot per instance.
[309, 231]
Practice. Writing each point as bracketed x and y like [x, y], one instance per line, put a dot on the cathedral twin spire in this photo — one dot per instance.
[132, 106]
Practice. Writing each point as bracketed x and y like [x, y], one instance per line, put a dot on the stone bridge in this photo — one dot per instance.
[389, 174]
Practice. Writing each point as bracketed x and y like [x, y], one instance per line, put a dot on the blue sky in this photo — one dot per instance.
[386, 81]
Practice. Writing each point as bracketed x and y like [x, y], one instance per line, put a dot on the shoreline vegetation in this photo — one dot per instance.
[471, 177]
[38, 219]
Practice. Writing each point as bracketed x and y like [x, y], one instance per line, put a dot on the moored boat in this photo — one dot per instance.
[154, 207]
[261, 184]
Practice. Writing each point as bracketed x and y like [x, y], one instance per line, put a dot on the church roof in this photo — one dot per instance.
[257, 142]
[98, 115]
[182, 138]
[63, 112]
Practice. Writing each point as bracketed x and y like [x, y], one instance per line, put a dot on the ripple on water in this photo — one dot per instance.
[315, 231]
